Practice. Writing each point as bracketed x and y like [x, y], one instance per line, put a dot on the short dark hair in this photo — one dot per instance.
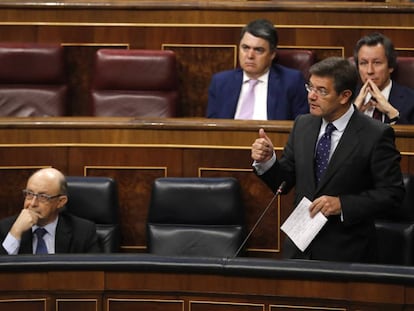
[374, 39]
[343, 73]
[264, 29]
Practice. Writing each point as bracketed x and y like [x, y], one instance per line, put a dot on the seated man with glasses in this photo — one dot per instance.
[43, 227]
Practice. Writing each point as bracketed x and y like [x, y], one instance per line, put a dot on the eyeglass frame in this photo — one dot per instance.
[320, 92]
[41, 197]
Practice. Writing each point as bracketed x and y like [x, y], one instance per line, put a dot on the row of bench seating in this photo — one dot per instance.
[124, 82]
[204, 217]
[34, 81]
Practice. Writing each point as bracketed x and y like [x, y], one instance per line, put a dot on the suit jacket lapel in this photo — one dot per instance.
[26, 244]
[310, 145]
[272, 89]
[233, 92]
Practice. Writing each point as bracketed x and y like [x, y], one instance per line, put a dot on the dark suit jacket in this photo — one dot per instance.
[286, 97]
[364, 172]
[73, 235]
[402, 98]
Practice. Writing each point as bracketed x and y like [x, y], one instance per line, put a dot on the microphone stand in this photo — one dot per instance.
[278, 192]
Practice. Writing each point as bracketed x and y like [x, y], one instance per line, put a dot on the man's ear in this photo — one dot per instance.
[345, 96]
[63, 199]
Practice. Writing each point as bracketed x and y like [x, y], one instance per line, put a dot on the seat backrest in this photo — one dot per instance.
[404, 73]
[96, 199]
[32, 80]
[135, 83]
[297, 59]
[195, 217]
[395, 230]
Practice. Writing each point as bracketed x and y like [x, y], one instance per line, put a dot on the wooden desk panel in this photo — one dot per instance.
[144, 282]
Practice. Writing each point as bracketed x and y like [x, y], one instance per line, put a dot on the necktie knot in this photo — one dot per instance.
[253, 83]
[329, 129]
[40, 232]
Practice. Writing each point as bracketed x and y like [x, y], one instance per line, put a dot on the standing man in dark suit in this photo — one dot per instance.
[279, 92]
[44, 198]
[380, 97]
[362, 178]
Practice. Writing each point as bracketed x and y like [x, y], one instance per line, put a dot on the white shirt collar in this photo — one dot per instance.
[262, 78]
[342, 122]
[50, 227]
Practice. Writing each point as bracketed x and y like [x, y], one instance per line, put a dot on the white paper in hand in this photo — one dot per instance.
[300, 227]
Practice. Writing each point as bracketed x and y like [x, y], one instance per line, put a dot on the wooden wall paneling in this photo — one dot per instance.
[134, 188]
[33, 156]
[23, 304]
[122, 304]
[242, 288]
[302, 307]
[196, 65]
[79, 59]
[17, 164]
[78, 304]
[13, 182]
[78, 280]
[224, 306]
[13, 280]
[383, 293]
[135, 170]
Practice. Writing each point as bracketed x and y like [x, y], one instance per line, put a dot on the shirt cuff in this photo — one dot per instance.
[263, 167]
[11, 244]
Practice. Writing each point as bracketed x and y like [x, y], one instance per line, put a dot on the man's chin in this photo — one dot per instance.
[315, 111]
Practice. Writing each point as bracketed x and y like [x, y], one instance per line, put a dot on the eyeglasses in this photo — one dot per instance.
[41, 197]
[320, 91]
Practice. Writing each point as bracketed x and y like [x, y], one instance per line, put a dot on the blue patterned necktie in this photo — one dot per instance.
[322, 152]
[41, 245]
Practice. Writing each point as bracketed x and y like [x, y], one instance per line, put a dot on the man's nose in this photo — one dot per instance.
[370, 68]
[34, 201]
[250, 53]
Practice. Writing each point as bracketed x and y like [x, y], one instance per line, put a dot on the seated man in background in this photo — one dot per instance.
[379, 96]
[42, 227]
[259, 90]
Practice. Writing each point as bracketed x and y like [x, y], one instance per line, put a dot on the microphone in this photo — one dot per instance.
[277, 193]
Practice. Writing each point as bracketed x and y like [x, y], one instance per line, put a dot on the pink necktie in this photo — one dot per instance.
[247, 107]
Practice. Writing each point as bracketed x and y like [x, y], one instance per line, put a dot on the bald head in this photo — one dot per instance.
[51, 178]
